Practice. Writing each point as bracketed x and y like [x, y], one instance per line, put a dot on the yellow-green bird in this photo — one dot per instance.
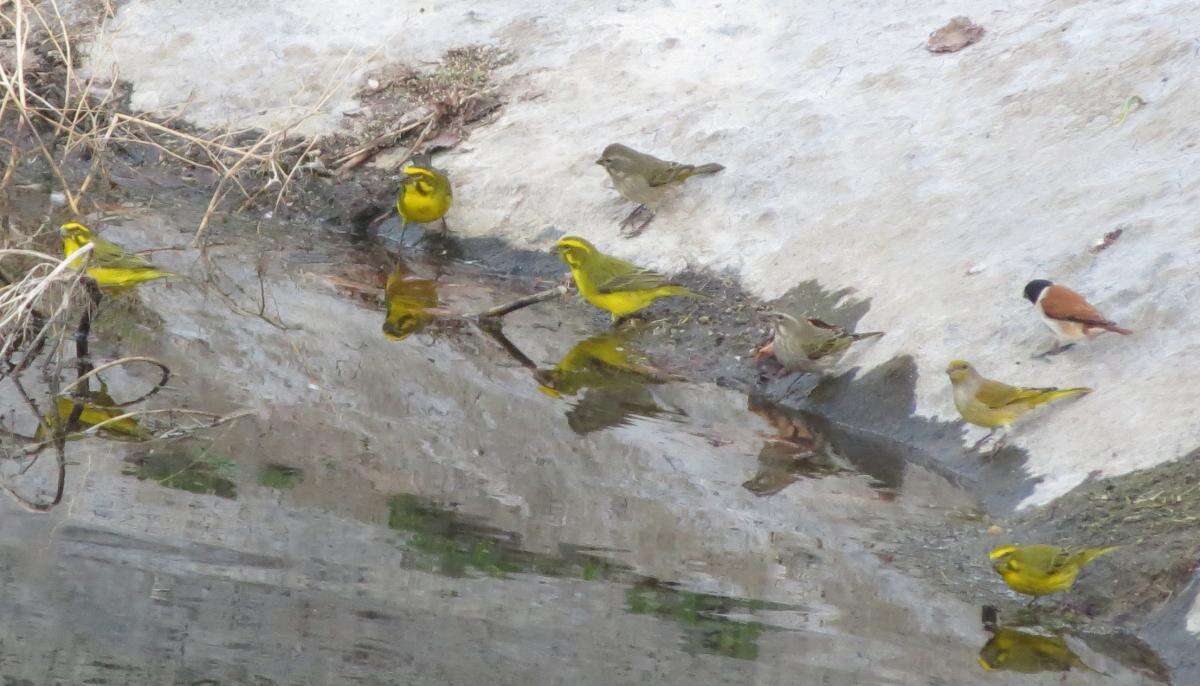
[424, 195]
[611, 284]
[994, 405]
[810, 345]
[1038, 570]
[1024, 652]
[112, 267]
[645, 179]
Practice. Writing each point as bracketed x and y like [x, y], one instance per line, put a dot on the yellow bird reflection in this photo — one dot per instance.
[411, 303]
[1025, 652]
[614, 383]
[98, 407]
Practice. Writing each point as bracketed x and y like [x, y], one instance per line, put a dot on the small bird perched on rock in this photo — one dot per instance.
[994, 405]
[1038, 570]
[809, 345]
[645, 179]
[424, 195]
[612, 284]
[1067, 314]
[112, 267]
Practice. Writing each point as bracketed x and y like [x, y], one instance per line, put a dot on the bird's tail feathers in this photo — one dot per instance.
[1083, 557]
[683, 292]
[1116, 329]
[1052, 394]
[710, 168]
[869, 334]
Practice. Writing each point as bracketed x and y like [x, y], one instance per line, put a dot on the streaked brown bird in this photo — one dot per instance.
[1067, 314]
[645, 180]
[808, 344]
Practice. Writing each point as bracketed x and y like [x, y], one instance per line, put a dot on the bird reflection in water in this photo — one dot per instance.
[412, 303]
[1018, 650]
[797, 451]
[608, 381]
[99, 408]
[611, 382]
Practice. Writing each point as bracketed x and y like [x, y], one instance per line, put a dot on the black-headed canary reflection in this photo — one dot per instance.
[98, 407]
[1013, 650]
[409, 301]
[612, 383]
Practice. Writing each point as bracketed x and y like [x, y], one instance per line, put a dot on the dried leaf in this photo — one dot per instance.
[954, 36]
[1104, 243]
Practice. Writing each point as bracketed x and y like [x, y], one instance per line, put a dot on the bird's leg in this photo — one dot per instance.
[1056, 350]
[445, 226]
[788, 390]
[403, 231]
[627, 228]
[997, 446]
[983, 440]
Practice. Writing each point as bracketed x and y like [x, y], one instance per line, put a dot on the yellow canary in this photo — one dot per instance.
[645, 179]
[991, 404]
[1038, 570]
[409, 301]
[810, 345]
[611, 284]
[1024, 652]
[424, 195]
[98, 407]
[110, 266]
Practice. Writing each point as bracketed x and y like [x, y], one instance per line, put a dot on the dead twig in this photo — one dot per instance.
[521, 303]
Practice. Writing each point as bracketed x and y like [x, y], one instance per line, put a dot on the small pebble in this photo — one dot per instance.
[994, 530]
[58, 198]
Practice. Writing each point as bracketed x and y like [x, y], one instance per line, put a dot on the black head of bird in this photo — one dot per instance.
[1033, 289]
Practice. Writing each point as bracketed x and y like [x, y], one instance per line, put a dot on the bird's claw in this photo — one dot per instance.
[1056, 350]
[628, 230]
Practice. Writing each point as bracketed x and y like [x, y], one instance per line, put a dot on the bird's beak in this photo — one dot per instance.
[600, 162]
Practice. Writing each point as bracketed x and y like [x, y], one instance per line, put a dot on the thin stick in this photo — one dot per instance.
[166, 373]
[492, 328]
[521, 303]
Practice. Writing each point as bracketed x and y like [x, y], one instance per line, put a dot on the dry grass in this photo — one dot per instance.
[413, 106]
[76, 123]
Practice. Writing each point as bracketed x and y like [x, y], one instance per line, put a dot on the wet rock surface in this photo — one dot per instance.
[394, 503]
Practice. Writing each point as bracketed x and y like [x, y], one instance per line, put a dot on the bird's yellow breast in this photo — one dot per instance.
[981, 415]
[620, 303]
[1034, 583]
[424, 198]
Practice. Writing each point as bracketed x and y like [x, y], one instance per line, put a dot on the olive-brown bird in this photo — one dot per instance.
[995, 405]
[809, 344]
[1038, 570]
[1067, 314]
[645, 179]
